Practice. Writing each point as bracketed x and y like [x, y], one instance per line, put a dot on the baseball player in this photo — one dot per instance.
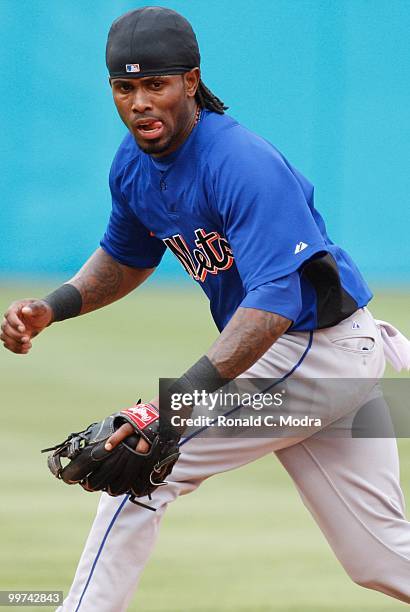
[288, 302]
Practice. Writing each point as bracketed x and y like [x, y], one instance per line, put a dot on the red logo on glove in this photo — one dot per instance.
[142, 414]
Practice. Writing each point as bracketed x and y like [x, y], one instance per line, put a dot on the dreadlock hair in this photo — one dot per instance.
[206, 99]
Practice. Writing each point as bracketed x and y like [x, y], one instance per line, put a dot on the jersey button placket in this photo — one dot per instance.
[166, 193]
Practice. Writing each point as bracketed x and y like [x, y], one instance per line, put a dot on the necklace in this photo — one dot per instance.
[197, 115]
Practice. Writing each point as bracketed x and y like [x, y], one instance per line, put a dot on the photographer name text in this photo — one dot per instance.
[249, 421]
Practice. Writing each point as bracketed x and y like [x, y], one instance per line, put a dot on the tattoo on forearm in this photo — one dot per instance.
[248, 335]
[99, 281]
[102, 280]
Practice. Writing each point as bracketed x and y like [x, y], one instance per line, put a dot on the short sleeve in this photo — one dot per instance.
[264, 209]
[282, 296]
[126, 239]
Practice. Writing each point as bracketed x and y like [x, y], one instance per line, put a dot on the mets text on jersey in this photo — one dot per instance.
[212, 254]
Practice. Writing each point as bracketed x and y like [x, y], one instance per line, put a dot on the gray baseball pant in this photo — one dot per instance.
[350, 485]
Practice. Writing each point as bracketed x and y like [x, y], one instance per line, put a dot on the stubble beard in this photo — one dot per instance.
[153, 148]
[156, 148]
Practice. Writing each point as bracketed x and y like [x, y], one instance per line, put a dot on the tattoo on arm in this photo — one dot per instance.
[102, 280]
[248, 335]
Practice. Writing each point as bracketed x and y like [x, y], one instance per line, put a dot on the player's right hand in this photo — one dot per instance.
[22, 321]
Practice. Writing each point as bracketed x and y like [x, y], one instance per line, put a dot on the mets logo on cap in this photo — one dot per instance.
[132, 68]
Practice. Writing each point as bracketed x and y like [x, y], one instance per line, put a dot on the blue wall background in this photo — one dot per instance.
[326, 81]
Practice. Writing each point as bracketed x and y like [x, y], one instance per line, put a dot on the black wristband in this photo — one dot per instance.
[65, 302]
[202, 376]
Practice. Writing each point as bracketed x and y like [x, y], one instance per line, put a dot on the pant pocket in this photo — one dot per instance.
[354, 343]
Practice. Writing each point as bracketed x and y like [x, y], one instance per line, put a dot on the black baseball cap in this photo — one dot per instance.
[151, 41]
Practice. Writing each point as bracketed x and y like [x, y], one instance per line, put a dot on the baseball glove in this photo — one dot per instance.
[122, 470]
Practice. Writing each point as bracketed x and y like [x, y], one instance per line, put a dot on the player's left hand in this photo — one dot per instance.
[142, 452]
[120, 434]
[126, 430]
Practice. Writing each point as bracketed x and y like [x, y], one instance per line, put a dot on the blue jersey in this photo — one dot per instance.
[240, 219]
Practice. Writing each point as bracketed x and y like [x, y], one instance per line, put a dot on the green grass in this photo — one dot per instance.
[242, 543]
